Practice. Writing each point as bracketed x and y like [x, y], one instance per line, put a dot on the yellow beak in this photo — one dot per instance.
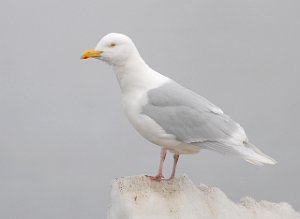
[91, 53]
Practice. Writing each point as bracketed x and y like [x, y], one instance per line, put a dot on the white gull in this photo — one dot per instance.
[168, 114]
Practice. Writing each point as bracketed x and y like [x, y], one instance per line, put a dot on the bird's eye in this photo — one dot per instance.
[112, 45]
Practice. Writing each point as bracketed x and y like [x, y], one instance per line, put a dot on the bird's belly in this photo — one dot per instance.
[150, 130]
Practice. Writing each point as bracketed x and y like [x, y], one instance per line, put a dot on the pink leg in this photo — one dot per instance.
[159, 175]
[176, 157]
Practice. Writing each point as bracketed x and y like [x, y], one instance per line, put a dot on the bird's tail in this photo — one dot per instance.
[247, 151]
[256, 156]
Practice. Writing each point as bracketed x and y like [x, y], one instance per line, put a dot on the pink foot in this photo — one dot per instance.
[156, 178]
[171, 178]
[159, 175]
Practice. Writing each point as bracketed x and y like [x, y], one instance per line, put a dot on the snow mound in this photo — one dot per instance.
[138, 197]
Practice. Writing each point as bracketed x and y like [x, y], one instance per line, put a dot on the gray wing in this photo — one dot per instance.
[193, 119]
[187, 115]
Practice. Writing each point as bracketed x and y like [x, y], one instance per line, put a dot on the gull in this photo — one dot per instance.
[168, 114]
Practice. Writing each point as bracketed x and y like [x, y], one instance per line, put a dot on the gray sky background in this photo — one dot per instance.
[64, 137]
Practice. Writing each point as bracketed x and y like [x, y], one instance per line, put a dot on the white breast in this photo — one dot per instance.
[134, 87]
[147, 127]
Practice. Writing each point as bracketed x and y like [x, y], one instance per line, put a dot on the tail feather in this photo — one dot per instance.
[247, 151]
[257, 157]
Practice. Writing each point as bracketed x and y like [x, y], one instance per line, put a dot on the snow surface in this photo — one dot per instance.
[137, 197]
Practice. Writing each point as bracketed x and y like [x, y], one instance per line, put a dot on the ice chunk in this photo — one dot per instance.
[138, 197]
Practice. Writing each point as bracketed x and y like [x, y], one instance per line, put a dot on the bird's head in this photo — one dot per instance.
[114, 48]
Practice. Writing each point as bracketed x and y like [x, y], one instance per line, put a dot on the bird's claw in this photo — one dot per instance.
[156, 178]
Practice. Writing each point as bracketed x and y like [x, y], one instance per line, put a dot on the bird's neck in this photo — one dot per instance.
[132, 64]
[135, 75]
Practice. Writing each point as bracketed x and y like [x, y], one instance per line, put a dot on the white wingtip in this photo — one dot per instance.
[257, 157]
[260, 160]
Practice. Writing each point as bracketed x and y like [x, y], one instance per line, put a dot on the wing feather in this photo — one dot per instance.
[188, 116]
[195, 120]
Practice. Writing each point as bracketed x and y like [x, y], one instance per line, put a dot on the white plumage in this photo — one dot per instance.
[168, 114]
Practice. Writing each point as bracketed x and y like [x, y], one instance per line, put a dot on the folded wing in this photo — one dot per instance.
[194, 120]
